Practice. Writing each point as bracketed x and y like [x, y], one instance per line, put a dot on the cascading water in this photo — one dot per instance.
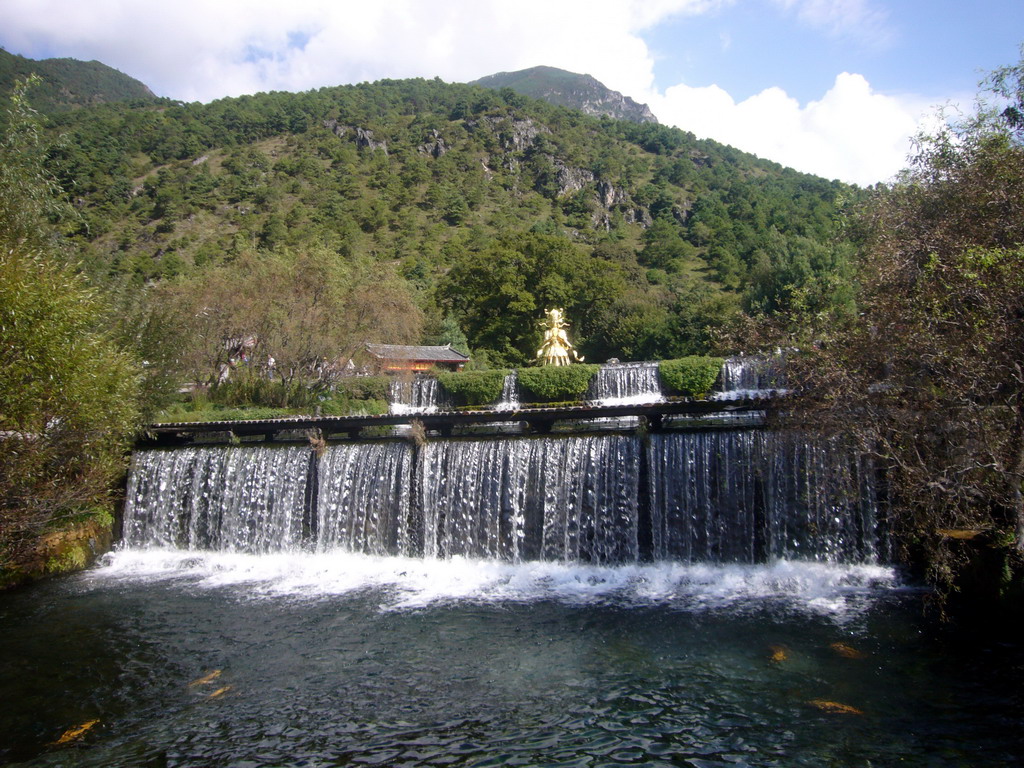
[245, 499]
[752, 376]
[569, 499]
[690, 596]
[625, 384]
[509, 400]
[419, 394]
[755, 496]
[363, 499]
[718, 496]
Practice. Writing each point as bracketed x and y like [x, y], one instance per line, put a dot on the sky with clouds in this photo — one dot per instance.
[832, 87]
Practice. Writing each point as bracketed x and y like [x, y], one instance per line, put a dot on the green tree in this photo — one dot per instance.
[929, 374]
[502, 290]
[67, 392]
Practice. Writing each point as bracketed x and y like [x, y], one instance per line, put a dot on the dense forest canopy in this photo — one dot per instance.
[652, 238]
[65, 84]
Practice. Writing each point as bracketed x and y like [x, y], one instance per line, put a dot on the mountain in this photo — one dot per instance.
[568, 89]
[70, 83]
[470, 208]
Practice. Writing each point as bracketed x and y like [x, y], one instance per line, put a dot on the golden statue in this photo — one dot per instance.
[556, 349]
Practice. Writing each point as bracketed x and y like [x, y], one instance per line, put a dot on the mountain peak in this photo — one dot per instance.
[569, 89]
[70, 83]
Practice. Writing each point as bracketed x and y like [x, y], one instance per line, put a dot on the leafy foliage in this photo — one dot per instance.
[67, 391]
[308, 311]
[67, 400]
[651, 238]
[556, 384]
[474, 387]
[691, 376]
[364, 387]
[69, 83]
[929, 375]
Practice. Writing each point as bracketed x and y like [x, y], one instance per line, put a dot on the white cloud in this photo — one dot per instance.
[856, 19]
[852, 133]
[201, 50]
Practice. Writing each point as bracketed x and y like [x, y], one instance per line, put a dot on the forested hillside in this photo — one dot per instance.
[69, 83]
[470, 209]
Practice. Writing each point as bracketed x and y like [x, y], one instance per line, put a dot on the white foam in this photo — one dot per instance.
[401, 409]
[410, 583]
[644, 398]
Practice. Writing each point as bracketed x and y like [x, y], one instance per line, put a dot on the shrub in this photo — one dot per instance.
[253, 389]
[555, 384]
[474, 387]
[692, 376]
[364, 387]
[343, 405]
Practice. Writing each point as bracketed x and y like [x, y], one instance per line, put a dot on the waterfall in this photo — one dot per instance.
[245, 499]
[625, 384]
[720, 496]
[752, 376]
[419, 394]
[754, 495]
[363, 498]
[570, 499]
[509, 400]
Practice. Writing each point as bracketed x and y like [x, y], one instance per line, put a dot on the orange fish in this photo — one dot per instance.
[847, 652]
[834, 707]
[959, 533]
[206, 679]
[76, 733]
[779, 653]
[219, 692]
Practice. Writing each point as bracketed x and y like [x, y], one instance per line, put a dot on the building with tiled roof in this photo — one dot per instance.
[400, 357]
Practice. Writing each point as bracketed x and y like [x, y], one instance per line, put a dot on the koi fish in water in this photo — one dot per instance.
[835, 707]
[76, 733]
[205, 679]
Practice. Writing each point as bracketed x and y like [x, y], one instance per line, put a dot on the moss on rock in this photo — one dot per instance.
[65, 550]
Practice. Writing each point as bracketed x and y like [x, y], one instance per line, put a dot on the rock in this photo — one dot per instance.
[609, 195]
[365, 140]
[515, 134]
[570, 179]
[363, 136]
[435, 146]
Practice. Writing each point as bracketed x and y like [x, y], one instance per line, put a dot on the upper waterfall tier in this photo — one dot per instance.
[623, 383]
[752, 376]
[745, 376]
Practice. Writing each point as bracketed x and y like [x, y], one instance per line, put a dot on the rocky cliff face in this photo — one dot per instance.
[568, 89]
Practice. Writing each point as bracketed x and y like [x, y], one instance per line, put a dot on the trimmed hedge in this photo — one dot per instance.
[692, 376]
[556, 384]
[474, 387]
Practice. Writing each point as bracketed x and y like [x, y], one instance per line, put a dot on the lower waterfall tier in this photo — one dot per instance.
[721, 496]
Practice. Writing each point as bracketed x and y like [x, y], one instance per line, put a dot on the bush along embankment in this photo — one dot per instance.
[556, 384]
[474, 388]
[692, 376]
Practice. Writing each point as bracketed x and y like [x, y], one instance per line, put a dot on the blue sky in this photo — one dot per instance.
[934, 49]
[834, 87]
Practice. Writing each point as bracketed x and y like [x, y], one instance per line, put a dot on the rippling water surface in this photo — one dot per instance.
[203, 659]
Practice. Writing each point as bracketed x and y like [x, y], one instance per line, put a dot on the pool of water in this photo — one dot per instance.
[201, 659]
